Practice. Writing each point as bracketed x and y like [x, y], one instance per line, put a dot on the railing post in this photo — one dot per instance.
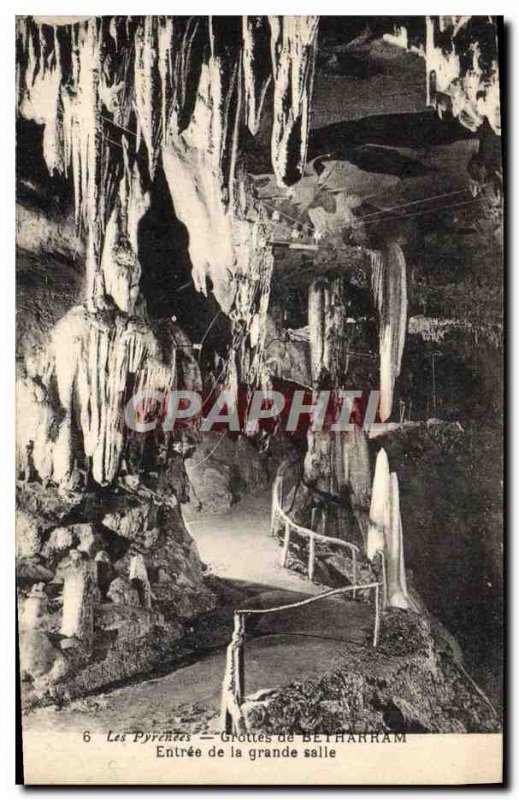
[225, 714]
[324, 517]
[384, 580]
[233, 689]
[311, 558]
[274, 511]
[313, 523]
[240, 658]
[286, 544]
[354, 558]
[377, 616]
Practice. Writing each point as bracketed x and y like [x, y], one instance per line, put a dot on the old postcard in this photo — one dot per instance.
[260, 399]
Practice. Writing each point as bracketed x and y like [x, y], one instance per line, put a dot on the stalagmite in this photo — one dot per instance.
[139, 578]
[34, 609]
[396, 579]
[80, 581]
[389, 285]
[35, 421]
[293, 53]
[380, 509]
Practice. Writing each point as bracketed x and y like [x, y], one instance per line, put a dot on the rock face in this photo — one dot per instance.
[221, 471]
[109, 590]
[412, 683]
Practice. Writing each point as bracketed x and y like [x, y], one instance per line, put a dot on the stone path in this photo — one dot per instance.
[236, 544]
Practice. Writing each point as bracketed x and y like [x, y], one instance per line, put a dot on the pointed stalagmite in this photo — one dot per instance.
[396, 580]
[380, 509]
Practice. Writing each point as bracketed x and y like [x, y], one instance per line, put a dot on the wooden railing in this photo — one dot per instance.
[280, 516]
[233, 689]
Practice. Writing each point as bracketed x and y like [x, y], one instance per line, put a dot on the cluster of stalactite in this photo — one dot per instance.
[116, 94]
[71, 404]
[337, 463]
[462, 63]
[463, 70]
[116, 97]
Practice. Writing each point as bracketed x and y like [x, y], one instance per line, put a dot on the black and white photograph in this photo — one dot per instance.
[260, 368]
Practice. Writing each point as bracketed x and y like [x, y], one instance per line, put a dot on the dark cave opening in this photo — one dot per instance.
[166, 282]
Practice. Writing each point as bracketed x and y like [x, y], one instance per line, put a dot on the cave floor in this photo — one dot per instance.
[287, 648]
[283, 648]
[235, 544]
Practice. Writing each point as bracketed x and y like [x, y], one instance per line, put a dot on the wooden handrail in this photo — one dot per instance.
[279, 515]
[233, 689]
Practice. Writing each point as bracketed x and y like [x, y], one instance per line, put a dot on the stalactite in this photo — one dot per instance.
[95, 361]
[461, 58]
[256, 68]
[293, 53]
[120, 262]
[148, 98]
[39, 88]
[389, 285]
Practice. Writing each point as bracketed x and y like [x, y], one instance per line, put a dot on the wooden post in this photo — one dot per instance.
[377, 617]
[313, 523]
[286, 543]
[311, 558]
[280, 491]
[231, 717]
[274, 511]
[240, 658]
[225, 714]
[324, 516]
[354, 592]
[384, 580]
